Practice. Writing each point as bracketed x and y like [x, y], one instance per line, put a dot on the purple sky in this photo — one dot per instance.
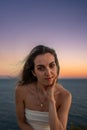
[62, 24]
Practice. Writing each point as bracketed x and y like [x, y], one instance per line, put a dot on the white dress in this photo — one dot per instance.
[38, 120]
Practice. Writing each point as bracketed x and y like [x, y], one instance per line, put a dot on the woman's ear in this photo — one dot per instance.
[33, 73]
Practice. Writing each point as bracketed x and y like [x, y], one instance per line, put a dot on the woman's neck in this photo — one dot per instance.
[41, 88]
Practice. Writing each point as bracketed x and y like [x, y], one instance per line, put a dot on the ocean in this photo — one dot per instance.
[77, 114]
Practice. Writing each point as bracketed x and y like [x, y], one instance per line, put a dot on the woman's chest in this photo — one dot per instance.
[34, 102]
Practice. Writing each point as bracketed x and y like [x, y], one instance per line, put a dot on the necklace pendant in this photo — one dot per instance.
[41, 105]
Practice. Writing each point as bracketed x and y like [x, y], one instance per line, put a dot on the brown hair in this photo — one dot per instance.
[26, 75]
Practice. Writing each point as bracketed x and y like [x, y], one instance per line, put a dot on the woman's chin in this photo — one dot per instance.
[47, 85]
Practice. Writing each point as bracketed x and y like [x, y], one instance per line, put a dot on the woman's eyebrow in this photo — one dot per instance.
[52, 62]
[40, 65]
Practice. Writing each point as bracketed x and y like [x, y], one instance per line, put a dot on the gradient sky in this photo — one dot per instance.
[60, 24]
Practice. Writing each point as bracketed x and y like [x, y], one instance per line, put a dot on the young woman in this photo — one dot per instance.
[41, 102]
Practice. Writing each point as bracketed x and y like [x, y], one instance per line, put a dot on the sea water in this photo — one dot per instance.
[78, 110]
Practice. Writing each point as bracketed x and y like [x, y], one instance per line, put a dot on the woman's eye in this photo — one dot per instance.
[40, 68]
[52, 65]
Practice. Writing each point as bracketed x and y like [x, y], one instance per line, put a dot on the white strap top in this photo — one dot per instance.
[38, 120]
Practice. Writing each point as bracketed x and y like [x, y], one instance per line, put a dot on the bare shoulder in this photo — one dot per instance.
[23, 87]
[19, 92]
[64, 93]
[22, 90]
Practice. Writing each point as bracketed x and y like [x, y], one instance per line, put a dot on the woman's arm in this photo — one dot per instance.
[58, 119]
[19, 101]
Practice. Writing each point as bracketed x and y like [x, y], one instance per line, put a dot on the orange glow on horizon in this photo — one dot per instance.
[73, 73]
[64, 73]
[12, 67]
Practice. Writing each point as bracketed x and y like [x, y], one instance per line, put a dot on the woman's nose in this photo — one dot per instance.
[47, 72]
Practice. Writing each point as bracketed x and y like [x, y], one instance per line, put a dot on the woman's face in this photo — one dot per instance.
[45, 69]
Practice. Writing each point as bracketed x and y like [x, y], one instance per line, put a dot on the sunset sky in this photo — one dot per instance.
[60, 24]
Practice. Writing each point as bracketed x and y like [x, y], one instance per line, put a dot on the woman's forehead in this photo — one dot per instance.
[44, 59]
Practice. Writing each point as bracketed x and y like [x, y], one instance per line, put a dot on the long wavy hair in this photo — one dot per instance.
[26, 74]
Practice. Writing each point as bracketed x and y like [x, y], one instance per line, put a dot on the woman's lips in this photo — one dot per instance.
[49, 78]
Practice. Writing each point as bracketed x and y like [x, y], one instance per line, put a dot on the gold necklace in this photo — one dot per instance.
[41, 104]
